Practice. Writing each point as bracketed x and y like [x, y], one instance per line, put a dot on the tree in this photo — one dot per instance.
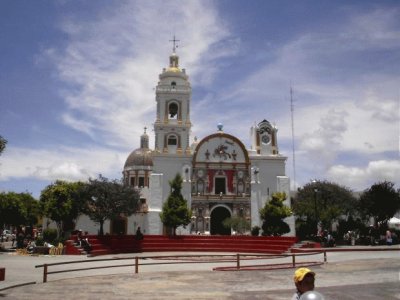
[272, 215]
[322, 201]
[18, 209]
[62, 202]
[381, 201]
[30, 209]
[237, 223]
[3, 143]
[109, 199]
[175, 211]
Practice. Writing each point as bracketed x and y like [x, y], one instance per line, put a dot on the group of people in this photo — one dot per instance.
[326, 238]
[373, 235]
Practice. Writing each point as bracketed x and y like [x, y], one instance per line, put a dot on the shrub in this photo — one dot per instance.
[255, 231]
[39, 241]
[50, 235]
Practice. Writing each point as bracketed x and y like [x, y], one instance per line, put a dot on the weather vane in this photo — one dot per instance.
[174, 44]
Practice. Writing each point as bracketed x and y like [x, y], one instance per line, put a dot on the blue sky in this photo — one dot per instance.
[77, 83]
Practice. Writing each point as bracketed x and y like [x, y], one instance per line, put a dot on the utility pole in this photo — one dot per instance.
[293, 145]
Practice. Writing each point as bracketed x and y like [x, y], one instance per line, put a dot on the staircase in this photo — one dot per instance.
[111, 244]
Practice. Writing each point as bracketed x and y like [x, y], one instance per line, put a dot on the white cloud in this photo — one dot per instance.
[346, 94]
[113, 61]
[345, 99]
[61, 163]
[325, 141]
[362, 177]
[378, 29]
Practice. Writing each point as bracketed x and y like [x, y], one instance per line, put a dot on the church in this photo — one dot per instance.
[221, 177]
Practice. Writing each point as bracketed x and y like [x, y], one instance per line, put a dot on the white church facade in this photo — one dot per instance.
[221, 177]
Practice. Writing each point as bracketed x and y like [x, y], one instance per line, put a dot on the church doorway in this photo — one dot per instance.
[218, 215]
[119, 226]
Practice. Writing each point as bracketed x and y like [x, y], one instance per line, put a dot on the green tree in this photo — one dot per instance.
[18, 209]
[175, 211]
[237, 223]
[109, 199]
[381, 201]
[322, 201]
[272, 215]
[30, 209]
[62, 202]
[3, 143]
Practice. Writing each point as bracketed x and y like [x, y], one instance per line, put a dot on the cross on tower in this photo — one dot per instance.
[174, 44]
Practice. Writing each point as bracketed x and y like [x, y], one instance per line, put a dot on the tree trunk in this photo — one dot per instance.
[59, 229]
[101, 232]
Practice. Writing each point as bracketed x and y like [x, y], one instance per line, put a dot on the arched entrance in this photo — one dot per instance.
[218, 215]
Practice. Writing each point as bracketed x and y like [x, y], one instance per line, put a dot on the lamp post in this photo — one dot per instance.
[315, 208]
[315, 205]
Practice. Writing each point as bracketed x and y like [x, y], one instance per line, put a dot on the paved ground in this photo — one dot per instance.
[347, 275]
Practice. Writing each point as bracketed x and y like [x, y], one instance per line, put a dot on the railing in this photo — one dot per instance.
[188, 259]
[173, 90]
[215, 197]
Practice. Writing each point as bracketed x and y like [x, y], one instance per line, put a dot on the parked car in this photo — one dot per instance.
[7, 235]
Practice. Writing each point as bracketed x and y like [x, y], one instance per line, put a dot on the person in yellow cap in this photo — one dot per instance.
[304, 280]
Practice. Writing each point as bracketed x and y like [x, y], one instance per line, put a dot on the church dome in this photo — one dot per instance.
[139, 157]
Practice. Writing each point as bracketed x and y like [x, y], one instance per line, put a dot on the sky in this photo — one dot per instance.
[77, 83]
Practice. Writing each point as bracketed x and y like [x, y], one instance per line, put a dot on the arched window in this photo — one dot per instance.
[173, 111]
[141, 181]
[173, 84]
[172, 140]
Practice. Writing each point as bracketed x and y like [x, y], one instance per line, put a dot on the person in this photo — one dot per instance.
[304, 280]
[83, 241]
[31, 246]
[372, 232]
[330, 240]
[389, 239]
[139, 234]
[48, 245]
[13, 238]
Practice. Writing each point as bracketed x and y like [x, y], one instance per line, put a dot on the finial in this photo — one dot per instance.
[220, 126]
[145, 128]
[174, 46]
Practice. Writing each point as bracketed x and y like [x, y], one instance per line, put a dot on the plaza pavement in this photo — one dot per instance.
[355, 274]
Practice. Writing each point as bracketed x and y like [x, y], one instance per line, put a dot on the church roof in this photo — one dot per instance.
[139, 157]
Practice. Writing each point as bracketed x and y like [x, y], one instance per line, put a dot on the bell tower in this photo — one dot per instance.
[173, 96]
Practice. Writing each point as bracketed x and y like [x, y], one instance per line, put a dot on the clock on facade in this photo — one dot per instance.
[265, 139]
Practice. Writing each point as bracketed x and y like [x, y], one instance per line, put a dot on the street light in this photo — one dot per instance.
[315, 205]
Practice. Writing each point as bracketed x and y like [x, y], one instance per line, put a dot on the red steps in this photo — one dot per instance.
[111, 244]
[71, 249]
